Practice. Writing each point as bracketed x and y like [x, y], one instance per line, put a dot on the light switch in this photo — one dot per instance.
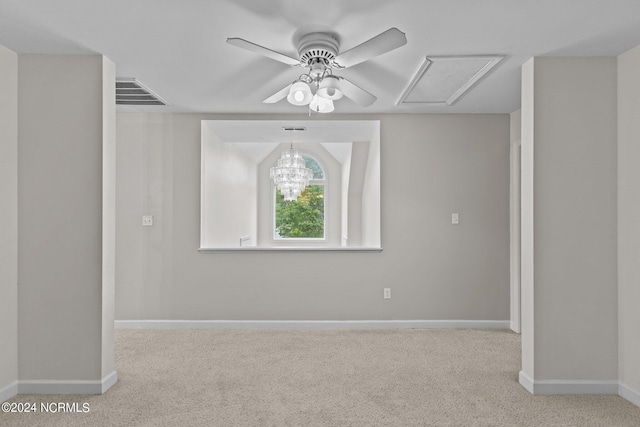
[455, 219]
[147, 220]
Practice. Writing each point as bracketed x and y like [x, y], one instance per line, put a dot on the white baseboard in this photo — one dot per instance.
[68, 387]
[628, 393]
[514, 327]
[8, 391]
[312, 324]
[108, 381]
[526, 381]
[551, 387]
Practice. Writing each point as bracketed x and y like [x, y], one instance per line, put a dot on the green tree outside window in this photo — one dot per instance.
[302, 218]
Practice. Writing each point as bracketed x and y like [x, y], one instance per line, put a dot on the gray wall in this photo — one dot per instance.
[526, 220]
[514, 219]
[8, 221]
[108, 238]
[431, 166]
[629, 217]
[569, 215]
[65, 299]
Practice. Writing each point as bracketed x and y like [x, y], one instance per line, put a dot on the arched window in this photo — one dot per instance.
[303, 218]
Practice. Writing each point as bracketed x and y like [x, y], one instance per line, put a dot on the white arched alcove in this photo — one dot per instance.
[237, 193]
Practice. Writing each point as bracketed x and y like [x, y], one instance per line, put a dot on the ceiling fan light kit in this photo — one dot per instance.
[317, 90]
[320, 54]
[321, 105]
[329, 88]
[300, 93]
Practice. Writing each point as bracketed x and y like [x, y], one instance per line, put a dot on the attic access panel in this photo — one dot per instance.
[441, 80]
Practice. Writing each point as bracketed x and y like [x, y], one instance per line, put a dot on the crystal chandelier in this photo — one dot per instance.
[291, 174]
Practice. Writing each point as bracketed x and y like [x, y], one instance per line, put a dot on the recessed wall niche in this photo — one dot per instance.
[238, 198]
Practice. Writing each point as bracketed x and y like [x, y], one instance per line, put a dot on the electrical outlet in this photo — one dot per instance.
[455, 219]
[387, 293]
[147, 220]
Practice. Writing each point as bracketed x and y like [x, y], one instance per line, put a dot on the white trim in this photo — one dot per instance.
[250, 249]
[312, 324]
[551, 387]
[109, 381]
[526, 381]
[8, 391]
[628, 393]
[68, 387]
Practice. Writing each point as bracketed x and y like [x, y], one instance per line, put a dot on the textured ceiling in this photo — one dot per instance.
[178, 48]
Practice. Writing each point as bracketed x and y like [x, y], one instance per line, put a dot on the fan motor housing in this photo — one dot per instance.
[314, 46]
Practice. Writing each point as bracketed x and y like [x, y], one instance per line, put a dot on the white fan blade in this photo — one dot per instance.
[263, 51]
[356, 93]
[382, 43]
[282, 93]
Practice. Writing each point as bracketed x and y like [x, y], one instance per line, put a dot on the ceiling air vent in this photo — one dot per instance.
[441, 80]
[132, 92]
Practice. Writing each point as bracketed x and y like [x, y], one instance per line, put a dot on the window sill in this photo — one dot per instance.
[286, 249]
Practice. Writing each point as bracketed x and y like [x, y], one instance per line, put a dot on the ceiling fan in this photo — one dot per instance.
[319, 52]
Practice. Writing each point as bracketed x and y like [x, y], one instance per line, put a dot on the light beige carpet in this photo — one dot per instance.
[324, 378]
